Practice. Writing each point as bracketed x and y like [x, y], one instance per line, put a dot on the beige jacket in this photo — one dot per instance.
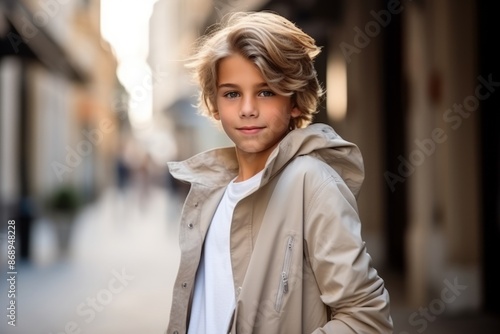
[299, 262]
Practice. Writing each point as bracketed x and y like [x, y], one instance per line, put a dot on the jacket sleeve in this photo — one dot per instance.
[348, 283]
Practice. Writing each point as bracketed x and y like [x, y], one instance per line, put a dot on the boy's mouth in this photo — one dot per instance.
[250, 129]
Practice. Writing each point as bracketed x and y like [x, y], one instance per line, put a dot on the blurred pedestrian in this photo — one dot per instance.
[122, 173]
[271, 237]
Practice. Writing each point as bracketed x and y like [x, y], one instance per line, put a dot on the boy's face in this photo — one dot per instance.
[252, 115]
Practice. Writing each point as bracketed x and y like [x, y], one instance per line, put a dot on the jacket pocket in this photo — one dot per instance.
[285, 272]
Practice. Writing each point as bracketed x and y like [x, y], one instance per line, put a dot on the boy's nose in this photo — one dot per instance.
[248, 108]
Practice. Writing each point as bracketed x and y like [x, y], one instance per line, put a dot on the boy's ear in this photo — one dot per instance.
[216, 115]
[295, 112]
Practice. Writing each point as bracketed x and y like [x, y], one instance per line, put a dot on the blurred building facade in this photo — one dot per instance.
[59, 113]
[419, 82]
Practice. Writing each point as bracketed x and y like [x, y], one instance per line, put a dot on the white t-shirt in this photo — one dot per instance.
[214, 298]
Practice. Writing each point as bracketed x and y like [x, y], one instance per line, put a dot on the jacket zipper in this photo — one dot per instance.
[283, 286]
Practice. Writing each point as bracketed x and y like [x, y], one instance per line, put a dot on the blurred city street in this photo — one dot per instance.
[116, 277]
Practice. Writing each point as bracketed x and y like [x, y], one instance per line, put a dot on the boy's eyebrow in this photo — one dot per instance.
[231, 85]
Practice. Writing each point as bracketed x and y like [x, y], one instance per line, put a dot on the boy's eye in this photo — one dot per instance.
[266, 93]
[231, 95]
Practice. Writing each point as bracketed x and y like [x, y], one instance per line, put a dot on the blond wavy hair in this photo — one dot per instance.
[283, 53]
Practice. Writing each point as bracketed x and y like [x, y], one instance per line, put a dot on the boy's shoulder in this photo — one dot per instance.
[310, 167]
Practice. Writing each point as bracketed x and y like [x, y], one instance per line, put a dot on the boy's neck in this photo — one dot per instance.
[249, 166]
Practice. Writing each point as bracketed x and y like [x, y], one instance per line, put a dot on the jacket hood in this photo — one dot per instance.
[219, 166]
[321, 141]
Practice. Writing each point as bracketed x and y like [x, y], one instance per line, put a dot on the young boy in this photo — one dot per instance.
[270, 234]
